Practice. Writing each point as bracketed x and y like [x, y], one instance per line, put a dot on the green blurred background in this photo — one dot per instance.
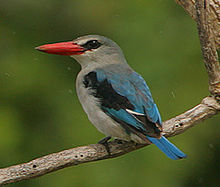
[39, 109]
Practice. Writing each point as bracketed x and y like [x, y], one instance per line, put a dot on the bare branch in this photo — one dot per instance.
[214, 15]
[206, 36]
[94, 152]
[209, 34]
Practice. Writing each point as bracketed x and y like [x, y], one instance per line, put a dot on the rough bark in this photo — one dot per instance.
[206, 13]
[213, 6]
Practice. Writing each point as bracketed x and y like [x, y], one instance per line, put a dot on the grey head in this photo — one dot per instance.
[99, 50]
[88, 50]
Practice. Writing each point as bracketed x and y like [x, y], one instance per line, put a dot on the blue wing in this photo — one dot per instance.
[126, 98]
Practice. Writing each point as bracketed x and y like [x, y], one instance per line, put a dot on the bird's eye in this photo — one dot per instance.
[92, 44]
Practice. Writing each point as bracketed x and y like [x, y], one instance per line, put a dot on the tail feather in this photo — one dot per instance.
[167, 147]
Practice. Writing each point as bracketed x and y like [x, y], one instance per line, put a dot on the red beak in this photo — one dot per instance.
[62, 48]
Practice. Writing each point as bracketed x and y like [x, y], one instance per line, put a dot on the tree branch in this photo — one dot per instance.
[206, 36]
[94, 152]
[213, 7]
[209, 107]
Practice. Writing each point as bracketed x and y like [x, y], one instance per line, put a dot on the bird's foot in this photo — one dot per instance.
[123, 141]
[104, 141]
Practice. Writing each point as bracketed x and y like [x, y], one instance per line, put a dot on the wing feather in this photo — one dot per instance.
[126, 98]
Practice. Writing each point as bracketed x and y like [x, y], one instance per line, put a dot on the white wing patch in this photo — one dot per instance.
[135, 113]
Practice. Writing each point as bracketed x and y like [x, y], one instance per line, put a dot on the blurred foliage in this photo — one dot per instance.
[39, 109]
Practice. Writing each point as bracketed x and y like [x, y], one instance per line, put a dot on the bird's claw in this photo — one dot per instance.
[104, 142]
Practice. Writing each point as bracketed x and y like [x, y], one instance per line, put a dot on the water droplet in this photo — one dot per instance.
[173, 95]
[211, 145]
[7, 74]
[70, 91]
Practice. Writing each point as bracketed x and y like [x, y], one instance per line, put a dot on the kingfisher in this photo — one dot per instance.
[116, 99]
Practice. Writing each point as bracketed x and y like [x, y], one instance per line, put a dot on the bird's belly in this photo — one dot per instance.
[99, 119]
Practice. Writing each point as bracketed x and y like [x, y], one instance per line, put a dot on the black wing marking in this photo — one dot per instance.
[104, 91]
[112, 100]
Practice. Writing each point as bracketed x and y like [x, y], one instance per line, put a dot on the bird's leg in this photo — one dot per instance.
[104, 141]
[123, 141]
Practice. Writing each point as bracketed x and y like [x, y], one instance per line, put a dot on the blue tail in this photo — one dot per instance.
[167, 147]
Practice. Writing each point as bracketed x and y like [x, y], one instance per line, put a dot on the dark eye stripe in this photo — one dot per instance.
[92, 44]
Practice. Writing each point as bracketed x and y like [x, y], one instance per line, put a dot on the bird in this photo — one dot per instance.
[116, 99]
